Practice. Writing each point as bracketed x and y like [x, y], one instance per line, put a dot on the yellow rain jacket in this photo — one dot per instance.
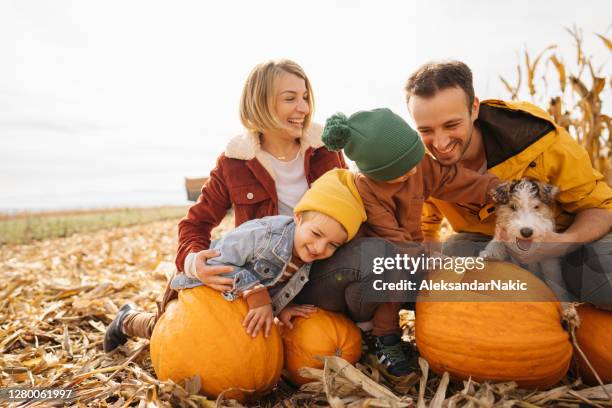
[521, 140]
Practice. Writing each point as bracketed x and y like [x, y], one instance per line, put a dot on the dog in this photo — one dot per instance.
[525, 214]
[524, 210]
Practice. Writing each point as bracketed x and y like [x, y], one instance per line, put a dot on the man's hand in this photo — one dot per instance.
[290, 312]
[551, 245]
[589, 225]
[209, 275]
[259, 318]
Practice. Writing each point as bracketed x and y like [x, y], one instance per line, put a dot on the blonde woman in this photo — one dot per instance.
[264, 171]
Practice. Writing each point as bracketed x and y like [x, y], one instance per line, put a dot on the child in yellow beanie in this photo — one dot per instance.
[272, 256]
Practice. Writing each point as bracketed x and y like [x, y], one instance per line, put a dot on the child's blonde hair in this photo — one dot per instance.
[258, 100]
[311, 214]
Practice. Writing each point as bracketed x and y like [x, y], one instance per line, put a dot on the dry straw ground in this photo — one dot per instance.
[58, 295]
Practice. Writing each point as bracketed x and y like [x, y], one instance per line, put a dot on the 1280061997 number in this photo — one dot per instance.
[16, 394]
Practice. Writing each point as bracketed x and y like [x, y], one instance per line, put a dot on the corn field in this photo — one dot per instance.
[574, 89]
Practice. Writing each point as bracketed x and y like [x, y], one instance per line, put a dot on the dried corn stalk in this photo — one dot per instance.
[579, 107]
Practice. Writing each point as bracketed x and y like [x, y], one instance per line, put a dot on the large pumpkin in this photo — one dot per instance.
[488, 336]
[594, 337]
[323, 333]
[202, 334]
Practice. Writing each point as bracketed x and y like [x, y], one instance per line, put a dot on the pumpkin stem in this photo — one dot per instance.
[571, 317]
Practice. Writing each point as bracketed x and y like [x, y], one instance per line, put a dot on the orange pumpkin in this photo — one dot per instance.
[202, 334]
[322, 334]
[490, 337]
[594, 337]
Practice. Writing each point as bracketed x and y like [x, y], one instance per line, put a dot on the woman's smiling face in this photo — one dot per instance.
[292, 106]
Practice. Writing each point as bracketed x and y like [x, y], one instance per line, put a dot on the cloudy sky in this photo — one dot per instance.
[110, 103]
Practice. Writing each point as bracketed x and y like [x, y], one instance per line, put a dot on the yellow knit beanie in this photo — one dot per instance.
[335, 194]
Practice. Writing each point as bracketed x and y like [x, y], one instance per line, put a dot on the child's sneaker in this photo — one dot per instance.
[390, 354]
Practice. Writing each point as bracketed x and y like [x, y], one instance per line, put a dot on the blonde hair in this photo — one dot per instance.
[312, 214]
[258, 100]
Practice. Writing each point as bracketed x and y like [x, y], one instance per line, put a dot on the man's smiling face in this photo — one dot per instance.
[445, 123]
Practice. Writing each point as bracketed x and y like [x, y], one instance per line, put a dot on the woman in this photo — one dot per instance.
[264, 171]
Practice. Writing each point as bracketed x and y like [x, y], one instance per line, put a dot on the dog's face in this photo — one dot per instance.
[524, 209]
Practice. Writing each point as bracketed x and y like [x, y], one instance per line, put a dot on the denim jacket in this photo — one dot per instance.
[259, 250]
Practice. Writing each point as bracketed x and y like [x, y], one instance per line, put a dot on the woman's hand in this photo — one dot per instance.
[259, 318]
[209, 274]
[290, 312]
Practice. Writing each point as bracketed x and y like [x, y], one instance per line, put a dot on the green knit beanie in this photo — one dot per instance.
[381, 143]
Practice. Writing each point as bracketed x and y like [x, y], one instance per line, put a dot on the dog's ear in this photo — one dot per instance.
[547, 192]
[501, 193]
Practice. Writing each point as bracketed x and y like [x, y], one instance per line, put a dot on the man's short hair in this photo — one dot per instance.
[436, 76]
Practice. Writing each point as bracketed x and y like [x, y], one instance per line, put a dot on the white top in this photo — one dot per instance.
[291, 181]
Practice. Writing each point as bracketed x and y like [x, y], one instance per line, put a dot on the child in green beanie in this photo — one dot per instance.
[396, 177]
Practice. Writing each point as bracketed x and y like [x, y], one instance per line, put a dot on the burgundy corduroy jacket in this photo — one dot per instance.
[243, 179]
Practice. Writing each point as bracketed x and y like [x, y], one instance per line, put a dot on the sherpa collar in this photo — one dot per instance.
[247, 145]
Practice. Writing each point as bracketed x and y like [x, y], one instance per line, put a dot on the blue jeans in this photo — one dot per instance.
[344, 282]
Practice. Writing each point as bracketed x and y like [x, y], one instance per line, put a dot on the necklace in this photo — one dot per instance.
[290, 152]
[285, 157]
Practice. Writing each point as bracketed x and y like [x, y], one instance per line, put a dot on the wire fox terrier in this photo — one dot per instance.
[524, 210]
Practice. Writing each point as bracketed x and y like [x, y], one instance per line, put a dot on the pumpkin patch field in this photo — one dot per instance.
[57, 296]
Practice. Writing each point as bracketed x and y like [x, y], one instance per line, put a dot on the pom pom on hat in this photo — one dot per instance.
[381, 143]
[337, 132]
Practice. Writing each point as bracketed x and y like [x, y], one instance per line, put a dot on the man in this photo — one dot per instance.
[514, 140]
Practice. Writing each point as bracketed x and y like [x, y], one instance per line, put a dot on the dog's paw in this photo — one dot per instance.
[492, 255]
[494, 251]
[486, 255]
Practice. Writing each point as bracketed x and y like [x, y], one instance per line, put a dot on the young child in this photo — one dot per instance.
[272, 256]
[396, 177]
